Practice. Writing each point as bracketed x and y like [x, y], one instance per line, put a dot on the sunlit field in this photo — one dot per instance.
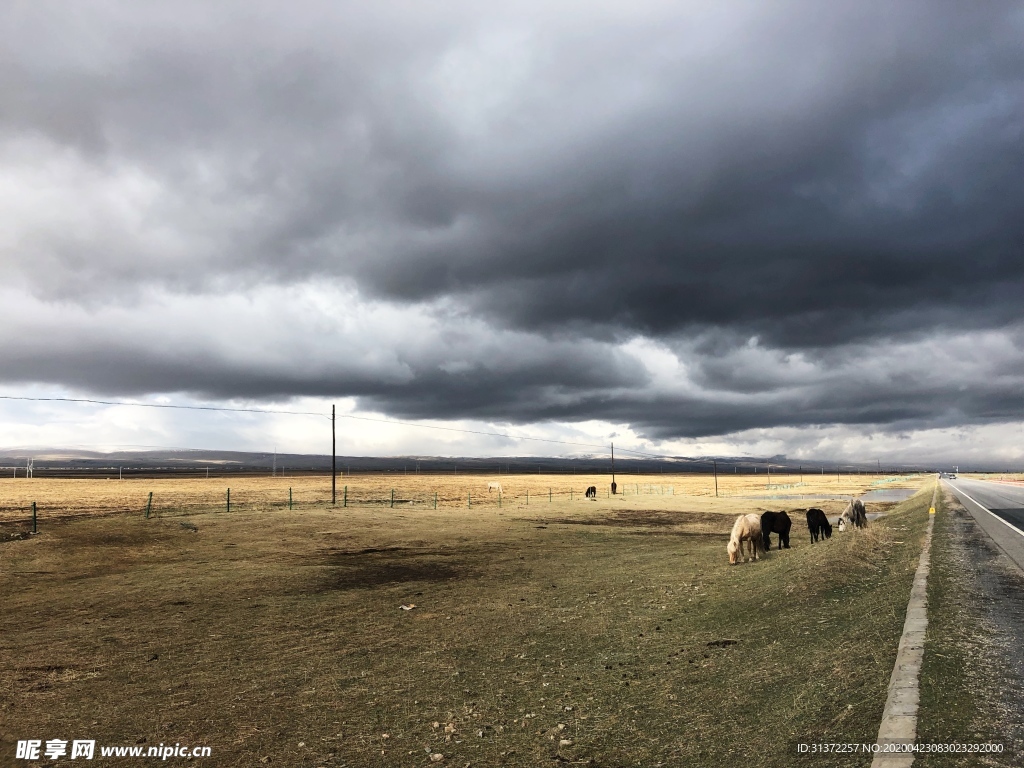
[178, 495]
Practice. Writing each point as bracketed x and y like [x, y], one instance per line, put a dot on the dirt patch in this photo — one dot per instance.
[376, 574]
[647, 518]
[377, 566]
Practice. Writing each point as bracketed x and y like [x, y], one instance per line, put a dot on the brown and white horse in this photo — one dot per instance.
[854, 516]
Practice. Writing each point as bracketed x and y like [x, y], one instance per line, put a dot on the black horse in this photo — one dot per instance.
[775, 522]
[592, 492]
[818, 525]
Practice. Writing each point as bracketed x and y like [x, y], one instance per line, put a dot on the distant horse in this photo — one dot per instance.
[775, 522]
[854, 516]
[494, 487]
[747, 528]
[592, 492]
[818, 525]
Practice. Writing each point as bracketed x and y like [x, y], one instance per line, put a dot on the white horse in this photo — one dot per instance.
[494, 487]
[747, 528]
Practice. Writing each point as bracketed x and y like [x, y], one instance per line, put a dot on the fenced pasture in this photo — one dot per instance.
[608, 632]
[57, 497]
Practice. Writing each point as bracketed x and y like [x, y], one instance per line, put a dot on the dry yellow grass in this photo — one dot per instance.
[62, 497]
[607, 633]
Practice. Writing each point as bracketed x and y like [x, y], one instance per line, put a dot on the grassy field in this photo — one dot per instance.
[604, 633]
[57, 498]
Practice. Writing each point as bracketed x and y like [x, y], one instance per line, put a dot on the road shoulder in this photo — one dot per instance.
[971, 679]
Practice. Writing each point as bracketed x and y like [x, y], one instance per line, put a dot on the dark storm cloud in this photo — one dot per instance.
[961, 380]
[833, 180]
[272, 346]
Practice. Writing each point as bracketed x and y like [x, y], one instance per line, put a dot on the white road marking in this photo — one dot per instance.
[1007, 523]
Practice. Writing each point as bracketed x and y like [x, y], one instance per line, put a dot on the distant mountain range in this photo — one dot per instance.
[59, 462]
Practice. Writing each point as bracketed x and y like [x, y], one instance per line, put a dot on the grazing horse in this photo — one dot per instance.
[818, 525]
[854, 516]
[775, 522]
[592, 492]
[747, 528]
[494, 487]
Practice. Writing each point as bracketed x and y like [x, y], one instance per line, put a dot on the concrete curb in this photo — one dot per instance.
[899, 718]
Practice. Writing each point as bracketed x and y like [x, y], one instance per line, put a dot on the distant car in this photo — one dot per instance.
[952, 476]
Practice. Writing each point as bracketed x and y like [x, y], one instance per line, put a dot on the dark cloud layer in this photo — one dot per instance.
[833, 184]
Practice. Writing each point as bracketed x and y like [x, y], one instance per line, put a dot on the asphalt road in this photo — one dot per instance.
[998, 509]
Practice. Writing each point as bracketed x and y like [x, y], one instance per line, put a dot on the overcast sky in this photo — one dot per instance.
[732, 227]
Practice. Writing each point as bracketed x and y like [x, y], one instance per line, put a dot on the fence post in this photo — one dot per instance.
[229, 499]
[34, 528]
[344, 502]
[392, 498]
[469, 499]
[499, 499]
[289, 498]
[149, 504]
[435, 499]
[549, 495]
[527, 497]
[570, 494]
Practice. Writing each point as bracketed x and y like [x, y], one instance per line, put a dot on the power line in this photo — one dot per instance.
[158, 405]
[325, 415]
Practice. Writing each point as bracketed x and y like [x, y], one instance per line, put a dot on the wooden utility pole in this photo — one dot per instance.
[334, 462]
[716, 478]
[613, 486]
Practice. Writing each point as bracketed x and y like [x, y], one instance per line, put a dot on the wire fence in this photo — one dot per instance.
[154, 504]
[60, 499]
